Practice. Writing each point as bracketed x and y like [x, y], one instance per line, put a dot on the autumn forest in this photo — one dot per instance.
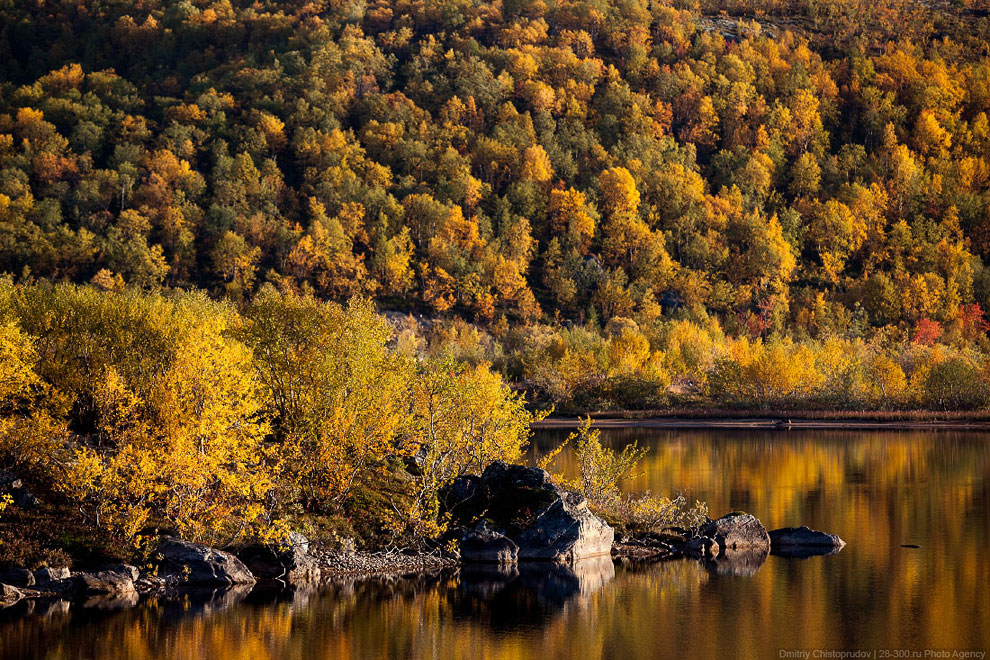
[325, 237]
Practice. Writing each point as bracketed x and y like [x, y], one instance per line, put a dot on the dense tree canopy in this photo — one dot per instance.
[821, 166]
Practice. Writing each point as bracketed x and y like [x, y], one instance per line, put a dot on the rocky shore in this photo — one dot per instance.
[508, 516]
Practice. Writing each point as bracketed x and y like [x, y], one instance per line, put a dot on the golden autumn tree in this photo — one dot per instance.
[464, 418]
[172, 431]
[336, 391]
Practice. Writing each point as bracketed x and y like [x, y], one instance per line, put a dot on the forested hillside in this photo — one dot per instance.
[595, 185]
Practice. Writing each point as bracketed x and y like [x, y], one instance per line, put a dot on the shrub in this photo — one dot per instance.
[956, 384]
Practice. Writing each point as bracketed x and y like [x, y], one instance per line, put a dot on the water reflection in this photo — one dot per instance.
[529, 593]
[876, 490]
[738, 562]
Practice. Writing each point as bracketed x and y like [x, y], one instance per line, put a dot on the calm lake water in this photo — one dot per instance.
[877, 490]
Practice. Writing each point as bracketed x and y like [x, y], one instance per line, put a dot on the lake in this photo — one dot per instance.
[877, 490]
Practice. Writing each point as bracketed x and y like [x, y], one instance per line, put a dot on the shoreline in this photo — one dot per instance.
[796, 420]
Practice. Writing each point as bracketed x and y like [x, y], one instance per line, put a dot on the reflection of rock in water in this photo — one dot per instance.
[202, 602]
[527, 593]
[111, 602]
[804, 552]
[297, 595]
[738, 562]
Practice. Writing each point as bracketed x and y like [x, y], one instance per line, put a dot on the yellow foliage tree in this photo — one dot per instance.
[337, 392]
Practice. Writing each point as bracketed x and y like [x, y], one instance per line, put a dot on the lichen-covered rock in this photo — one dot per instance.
[289, 560]
[737, 531]
[193, 563]
[526, 515]
[803, 542]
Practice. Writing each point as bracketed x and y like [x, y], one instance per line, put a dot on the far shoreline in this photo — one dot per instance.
[734, 419]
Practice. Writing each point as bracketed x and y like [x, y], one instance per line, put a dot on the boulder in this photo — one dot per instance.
[9, 595]
[193, 563]
[132, 572]
[289, 560]
[524, 517]
[17, 577]
[114, 583]
[460, 493]
[49, 577]
[483, 543]
[737, 531]
[566, 531]
[414, 463]
[803, 542]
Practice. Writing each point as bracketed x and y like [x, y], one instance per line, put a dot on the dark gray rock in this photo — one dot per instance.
[523, 513]
[700, 547]
[51, 577]
[104, 583]
[485, 544]
[566, 531]
[461, 492]
[803, 542]
[17, 577]
[126, 569]
[737, 531]
[289, 560]
[192, 563]
[13, 485]
[414, 463]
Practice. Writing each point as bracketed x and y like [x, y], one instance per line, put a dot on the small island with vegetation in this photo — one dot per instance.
[155, 442]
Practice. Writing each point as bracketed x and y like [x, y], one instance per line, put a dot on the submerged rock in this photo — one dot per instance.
[737, 531]
[290, 561]
[193, 563]
[525, 517]
[803, 542]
